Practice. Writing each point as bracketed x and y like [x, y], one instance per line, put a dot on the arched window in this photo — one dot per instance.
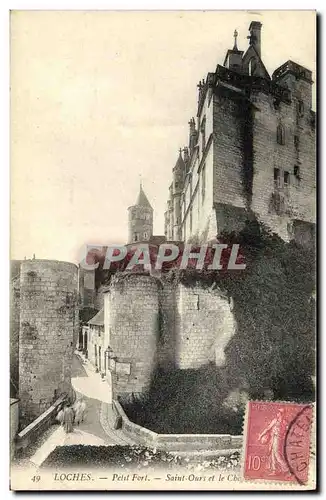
[251, 66]
[280, 134]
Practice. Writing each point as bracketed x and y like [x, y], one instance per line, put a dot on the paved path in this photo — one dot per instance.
[97, 428]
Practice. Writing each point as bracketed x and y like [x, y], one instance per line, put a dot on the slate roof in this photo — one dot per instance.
[142, 200]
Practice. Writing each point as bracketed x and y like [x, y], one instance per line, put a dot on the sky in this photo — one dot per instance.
[102, 99]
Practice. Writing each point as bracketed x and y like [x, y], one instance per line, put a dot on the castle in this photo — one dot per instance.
[251, 153]
[251, 150]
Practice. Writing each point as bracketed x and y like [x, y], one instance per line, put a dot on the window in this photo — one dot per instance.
[203, 183]
[296, 171]
[251, 66]
[146, 216]
[145, 235]
[280, 135]
[135, 237]
[286, 178]
[277, 177]
[300, 108]
[296, 141]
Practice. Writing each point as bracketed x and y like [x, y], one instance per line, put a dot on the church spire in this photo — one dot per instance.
[142, 200]
[235, 35]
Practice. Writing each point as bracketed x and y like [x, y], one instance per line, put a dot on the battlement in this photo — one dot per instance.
[294, 68]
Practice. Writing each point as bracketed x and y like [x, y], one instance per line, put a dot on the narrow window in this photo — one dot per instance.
[296, 172]
[286, 178]
[297, 176]
[145, 235]
[276, 177]
[300, 108]
[135, 237]
[296, 141]
[280, 135]
[251, 66]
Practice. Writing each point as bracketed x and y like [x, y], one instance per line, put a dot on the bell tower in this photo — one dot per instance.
[140, 219]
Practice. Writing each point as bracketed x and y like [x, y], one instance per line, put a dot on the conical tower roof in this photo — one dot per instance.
[142, 199]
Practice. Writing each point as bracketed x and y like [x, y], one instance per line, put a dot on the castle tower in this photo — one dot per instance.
[140, 219]
[179, 171]
[47, 335]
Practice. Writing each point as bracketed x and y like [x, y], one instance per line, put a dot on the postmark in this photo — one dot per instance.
[277, 441]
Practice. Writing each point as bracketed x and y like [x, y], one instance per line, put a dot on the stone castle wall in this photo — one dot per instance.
[205, 326]
[298, 150]
[48, 333]
[133, 332]
[156, 324]
[14, 335]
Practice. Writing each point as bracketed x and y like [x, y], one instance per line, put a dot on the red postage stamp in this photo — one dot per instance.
[277, 442]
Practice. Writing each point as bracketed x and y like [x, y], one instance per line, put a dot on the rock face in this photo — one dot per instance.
[47, 333]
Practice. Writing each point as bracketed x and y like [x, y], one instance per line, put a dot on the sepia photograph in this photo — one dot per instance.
[163, 250]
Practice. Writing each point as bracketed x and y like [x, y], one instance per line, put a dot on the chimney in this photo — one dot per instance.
[254, 38]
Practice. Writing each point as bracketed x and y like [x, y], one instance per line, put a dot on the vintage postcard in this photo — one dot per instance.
[163, 220]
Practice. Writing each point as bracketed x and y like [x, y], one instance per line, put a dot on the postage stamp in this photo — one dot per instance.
[277, 445]
[162, 271]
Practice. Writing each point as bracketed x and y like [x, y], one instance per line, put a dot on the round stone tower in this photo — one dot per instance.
[47, 333]
[140, 219]
[134, 328]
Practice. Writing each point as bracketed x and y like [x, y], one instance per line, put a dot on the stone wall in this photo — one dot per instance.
[228, 151]
[86, 287]
[134, 331]
[99, 298]
[206, 325]
[177, 442]
[163, 325]
[296, 197]
[96, 348]
[48, 333]
[14, 335]
[169, 325]
[14, 424]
